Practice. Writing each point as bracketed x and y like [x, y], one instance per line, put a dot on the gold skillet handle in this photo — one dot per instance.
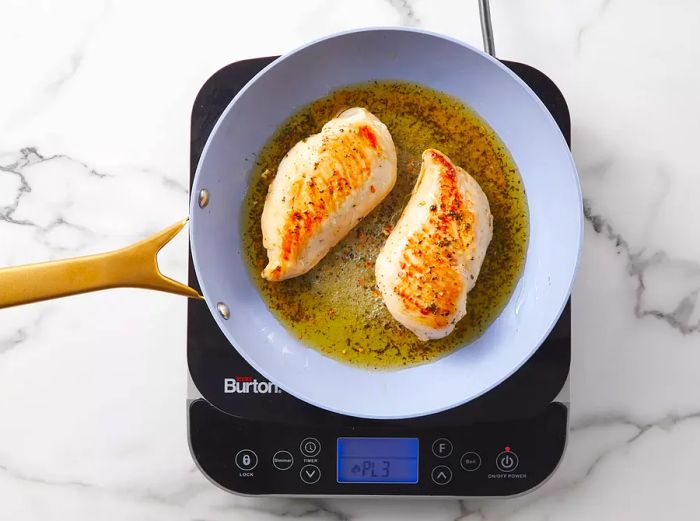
[135, 266]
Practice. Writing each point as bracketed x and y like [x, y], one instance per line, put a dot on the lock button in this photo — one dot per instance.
[246, 459]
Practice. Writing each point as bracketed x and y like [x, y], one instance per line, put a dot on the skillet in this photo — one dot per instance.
[516, 114]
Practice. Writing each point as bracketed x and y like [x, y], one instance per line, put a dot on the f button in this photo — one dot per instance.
[442, 447]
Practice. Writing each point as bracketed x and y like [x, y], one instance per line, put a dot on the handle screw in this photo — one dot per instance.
[223, 310]
[203, 197]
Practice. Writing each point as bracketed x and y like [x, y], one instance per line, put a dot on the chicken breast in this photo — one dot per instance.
[432, 258]
[324, 186]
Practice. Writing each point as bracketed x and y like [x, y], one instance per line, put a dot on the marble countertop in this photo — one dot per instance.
[95, 101]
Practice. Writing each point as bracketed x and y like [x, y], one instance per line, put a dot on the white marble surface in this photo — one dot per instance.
[95, 101]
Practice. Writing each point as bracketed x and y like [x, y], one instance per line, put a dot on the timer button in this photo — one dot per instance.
[310, 474]
[507, 461]
[283, 460]
[442, 447]
[470, 461]
[310, 447]
[246, 459]
[441, 475]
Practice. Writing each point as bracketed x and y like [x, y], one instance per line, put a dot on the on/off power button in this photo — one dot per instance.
[507, 461]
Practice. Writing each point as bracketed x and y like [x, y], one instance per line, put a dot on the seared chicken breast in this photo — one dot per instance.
[432, 258]
[324, 186]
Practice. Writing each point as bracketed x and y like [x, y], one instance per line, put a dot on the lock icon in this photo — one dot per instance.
[246, 459]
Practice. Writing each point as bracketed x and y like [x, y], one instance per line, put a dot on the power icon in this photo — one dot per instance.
[507, 461]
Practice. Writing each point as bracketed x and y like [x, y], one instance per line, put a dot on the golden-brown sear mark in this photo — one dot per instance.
[343, 165]
[429, 282]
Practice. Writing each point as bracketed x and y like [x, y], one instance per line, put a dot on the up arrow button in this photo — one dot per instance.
[441, 475]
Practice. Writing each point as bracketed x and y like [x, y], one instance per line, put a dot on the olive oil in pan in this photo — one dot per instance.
[336, 307]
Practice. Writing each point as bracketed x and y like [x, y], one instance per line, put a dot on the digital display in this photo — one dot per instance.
[377, 460]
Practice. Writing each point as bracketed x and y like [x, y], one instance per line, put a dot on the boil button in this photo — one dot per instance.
[470, 461]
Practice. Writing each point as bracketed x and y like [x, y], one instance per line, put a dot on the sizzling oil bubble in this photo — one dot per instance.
[336, 307]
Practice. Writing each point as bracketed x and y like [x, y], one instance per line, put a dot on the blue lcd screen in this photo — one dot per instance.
[377, 460]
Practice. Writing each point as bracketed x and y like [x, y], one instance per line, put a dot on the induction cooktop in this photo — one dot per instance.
[250, 437]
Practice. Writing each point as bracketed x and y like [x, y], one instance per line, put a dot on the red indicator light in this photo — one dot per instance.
[507, 449]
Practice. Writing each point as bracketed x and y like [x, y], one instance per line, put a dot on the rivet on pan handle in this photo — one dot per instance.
[486, 28]
[135, 266]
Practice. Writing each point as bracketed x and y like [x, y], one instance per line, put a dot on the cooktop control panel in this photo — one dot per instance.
[384, 458]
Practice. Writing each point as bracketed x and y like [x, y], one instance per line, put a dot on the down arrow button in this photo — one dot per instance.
[310, 474]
